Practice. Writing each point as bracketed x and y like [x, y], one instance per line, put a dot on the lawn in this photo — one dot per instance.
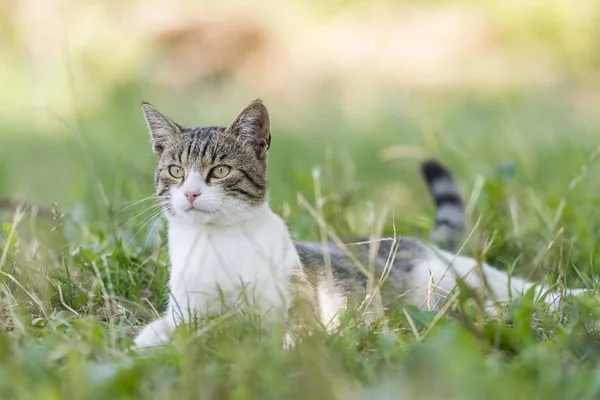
[78, 279]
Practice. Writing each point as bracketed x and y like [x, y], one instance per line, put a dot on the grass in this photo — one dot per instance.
[73, 289]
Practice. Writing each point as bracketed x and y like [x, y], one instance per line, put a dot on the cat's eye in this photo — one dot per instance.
[220, 171]
[176, 171]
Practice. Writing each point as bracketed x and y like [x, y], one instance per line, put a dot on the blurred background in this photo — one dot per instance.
[361, 89]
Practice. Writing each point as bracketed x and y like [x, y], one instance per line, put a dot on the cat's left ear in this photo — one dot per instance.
[253, 123]
[161, 128]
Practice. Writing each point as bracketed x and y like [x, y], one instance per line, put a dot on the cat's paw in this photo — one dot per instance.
[148, 341]
[158, 333]
[288, 341]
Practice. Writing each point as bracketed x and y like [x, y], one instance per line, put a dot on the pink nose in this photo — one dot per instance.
[191, 196]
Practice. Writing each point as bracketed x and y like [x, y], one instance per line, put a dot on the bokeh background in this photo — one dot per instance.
[361, 89]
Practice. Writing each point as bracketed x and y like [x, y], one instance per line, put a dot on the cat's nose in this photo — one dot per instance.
[191, 196]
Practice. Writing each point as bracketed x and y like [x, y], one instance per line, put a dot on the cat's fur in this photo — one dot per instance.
[231, 241]
[450, 219]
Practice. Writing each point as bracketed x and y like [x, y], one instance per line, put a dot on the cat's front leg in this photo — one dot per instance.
[157, 333]
[303, 310]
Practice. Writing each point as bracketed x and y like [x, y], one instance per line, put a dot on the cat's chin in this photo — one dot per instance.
[198, 217]
[220, 217]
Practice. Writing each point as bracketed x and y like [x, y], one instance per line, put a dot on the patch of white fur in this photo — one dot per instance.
[332, 302]
[249, 254]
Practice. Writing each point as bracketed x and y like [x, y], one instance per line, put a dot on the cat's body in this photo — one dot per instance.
[409, 271]
[260, 254]
[415, 273]
[224, 241]
[211, 266]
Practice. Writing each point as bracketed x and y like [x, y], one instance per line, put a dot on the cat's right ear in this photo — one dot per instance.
[161, 128]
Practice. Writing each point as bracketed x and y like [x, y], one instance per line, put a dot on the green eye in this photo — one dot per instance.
[176, 171]
[220, 171]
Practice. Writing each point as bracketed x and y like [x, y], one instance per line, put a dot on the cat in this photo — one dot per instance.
[223, 238]
[222, 235]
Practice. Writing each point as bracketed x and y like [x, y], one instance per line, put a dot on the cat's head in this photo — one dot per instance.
[211, 175]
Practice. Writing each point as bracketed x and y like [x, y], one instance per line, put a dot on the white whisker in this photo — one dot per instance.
[158, 220]
[135, 202]
[139, 213]
[155, 215]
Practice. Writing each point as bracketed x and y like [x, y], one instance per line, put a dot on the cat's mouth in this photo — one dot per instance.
[194, 210]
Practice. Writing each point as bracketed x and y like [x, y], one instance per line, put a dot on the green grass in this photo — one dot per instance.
[73, 290]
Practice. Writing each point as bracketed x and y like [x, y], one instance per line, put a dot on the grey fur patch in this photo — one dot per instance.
[399, 255]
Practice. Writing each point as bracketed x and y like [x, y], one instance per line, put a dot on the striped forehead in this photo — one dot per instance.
[200, 145]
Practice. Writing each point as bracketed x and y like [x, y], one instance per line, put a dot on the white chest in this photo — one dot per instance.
[212, 265]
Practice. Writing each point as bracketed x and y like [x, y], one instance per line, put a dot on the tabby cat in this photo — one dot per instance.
[223, 238]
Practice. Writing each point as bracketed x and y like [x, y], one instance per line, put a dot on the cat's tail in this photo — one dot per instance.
[450, 217]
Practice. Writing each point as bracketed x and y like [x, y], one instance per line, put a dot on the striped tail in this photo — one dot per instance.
[450, 218]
